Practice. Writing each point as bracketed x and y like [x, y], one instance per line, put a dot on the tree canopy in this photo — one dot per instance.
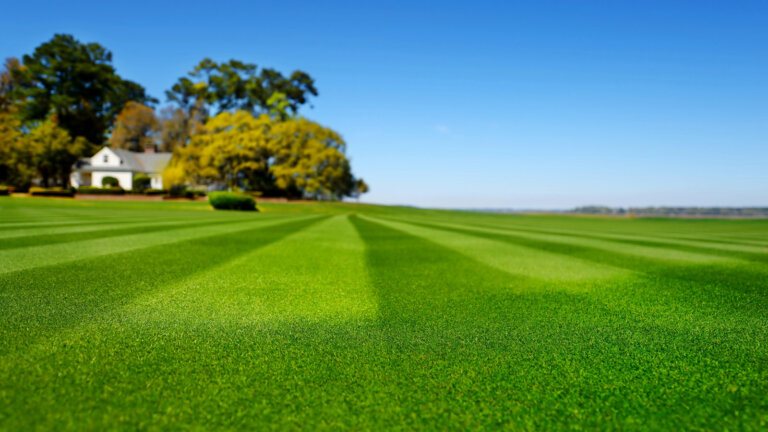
[235, 85]
[136, 128]
[77, 83]
[239, 150]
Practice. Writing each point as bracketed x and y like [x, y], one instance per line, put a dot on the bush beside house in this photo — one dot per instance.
[141, 182]
[110, 181]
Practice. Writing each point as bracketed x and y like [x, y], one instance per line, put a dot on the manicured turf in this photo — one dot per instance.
[341, 316]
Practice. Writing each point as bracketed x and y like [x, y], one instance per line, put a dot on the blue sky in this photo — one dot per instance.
[542, 104]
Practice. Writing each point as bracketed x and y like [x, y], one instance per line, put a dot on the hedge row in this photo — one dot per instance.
[51, 192]
[5, 191]
[93, 190]
[231, 201]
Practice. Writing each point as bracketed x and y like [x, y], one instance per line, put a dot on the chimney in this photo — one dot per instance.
[149, 149]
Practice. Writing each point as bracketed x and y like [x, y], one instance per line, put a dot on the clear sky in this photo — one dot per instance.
[536, 104]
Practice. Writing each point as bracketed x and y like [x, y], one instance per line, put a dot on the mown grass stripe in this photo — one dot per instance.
[660, 253]
[551, 354]
[126, 223]
[103, 232]
[31, 257]
[109, 281]
[292, 279]
[704, 243]
[745, 252]
[740, 277]
[521, 260]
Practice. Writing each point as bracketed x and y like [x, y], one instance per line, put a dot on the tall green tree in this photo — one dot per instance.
[77, 83]
[8, 83]
[235, 85]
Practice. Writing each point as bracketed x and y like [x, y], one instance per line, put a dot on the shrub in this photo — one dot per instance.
[180, 191]
[231, 201]
[177, 190]
[155, 192]
[193, 193]
[51, 192]
[110, 181]
[5, 191]
[141, 182]
[93, 190]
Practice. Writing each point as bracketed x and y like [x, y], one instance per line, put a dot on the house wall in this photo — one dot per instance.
[76, 179]
[105, 158]
[125, 178]
[156, 180]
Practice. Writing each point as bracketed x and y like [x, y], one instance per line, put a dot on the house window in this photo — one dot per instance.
[106, 158]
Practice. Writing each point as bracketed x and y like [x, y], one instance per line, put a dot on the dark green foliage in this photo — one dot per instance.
[5, 191]
[155, 192]
[77, 83]
[93, 190]
[181, 191]
[231, 201]
[141, 182]
[194, 193]
[235, 85]
[51, 192]
[109, 181]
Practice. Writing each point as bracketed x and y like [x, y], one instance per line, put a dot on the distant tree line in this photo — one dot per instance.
[675, 211]
[227, 124]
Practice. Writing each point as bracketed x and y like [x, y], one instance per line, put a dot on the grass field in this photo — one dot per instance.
[339, 316]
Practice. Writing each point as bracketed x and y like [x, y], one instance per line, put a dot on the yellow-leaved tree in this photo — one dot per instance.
[311, 158]
[228, 149]
[292, 157]
[54, 151]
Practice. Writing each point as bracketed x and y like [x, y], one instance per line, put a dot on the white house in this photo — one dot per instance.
[122, 165]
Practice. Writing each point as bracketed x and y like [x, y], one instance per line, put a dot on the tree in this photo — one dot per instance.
[361, 187]
[177, 125]
[17, 166]
[311, 158]
[136, 128]
[235, 85]
[263, 153]
[230, 147]
[77, 83]
[54, 151]
[8, 83]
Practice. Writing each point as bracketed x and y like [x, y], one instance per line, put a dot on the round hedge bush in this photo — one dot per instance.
[231, 201]
[110, 181]
[141, 182]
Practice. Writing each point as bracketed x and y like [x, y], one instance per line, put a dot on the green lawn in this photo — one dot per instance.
[340, 316]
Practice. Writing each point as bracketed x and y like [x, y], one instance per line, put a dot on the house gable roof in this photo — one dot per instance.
[130, 161]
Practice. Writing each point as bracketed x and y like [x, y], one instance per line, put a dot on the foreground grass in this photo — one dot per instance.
[159, 315]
